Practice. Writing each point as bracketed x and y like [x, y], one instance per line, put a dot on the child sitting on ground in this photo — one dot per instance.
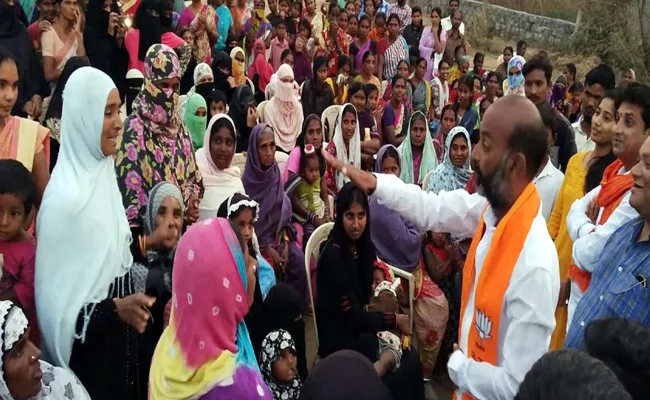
[306, 192]
[278, 364]
[17, 247]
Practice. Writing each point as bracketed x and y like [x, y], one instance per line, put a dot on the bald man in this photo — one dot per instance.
[510, 279]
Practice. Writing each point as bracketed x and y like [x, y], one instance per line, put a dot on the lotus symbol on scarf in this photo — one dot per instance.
[483, 325]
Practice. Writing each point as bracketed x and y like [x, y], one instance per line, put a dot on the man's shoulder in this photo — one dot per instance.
[539, 251]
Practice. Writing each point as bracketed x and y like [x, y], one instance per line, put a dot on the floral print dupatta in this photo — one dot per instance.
[156, 146]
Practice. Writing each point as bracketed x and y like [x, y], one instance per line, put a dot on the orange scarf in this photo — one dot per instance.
[612, 189]
[493, 281]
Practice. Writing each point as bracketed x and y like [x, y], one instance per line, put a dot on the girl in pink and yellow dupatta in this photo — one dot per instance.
[205, 352]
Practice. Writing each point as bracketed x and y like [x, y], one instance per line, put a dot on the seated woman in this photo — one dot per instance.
[196, 118]
[367, 126]
[448, 119]
[24, 374]
[395, 113]
[454, 172]
[20, 138]
[467, 115]
[387, 228]
[345, 270]
[85, 299]
[340, 81]
[316, 94]
[416, 151]
[345, 145]
[214, 159]
[403, 70]
[283, 112]
[276, 235]
[243, 111]
[18, 248]
[208, 355]
[367, 73]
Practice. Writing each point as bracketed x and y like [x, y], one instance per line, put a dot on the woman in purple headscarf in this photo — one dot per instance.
[277, 237]
[387, 228]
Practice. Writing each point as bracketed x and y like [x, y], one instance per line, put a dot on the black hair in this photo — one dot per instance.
[285, 53]
[7, 55]
[572, 69]
[300, 142]
[477, 78]
[460, 46]
[380, 15]
[281, 22]
[366, 55]
[419, 60]
[303, 23]
[602, 75]
[576, 87]
[218, 96]
[223, 123]
[528, 139]
[539, 63]
[543, 53]
[449, 107]
[16, 179]
[491, 74]
[348, 109]
[304, 158]
[637, 94]
[623, 345]
[439, 12]
[369, 88]
[570, 374]
[355, 87]
[521, 43]
[391, 152]
[457, 1]
[441, 62]
[348, 195]
[467, 80]
[333, 6]
[397, 77]
[416, 9]
[343, 61]
[319, 61]
[479, 56]
[512, 51]
[365, 17]
[393, 16]
[548, 116]
[598, 165]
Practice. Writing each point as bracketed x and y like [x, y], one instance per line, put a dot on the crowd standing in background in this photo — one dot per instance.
[340, 177]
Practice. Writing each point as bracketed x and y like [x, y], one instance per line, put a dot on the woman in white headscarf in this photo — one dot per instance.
[283, 112]
[220, 178]
[84, 301]
[454, 172]
[203, 85]
[345, 145]
[20, 364]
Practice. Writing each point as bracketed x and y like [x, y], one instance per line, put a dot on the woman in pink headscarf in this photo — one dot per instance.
[260, 67]
[284, 111]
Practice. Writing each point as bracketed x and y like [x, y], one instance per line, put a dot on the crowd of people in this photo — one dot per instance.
[161, 253]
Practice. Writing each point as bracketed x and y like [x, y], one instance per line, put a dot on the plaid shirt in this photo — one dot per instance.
[618, 286]
[404, 14]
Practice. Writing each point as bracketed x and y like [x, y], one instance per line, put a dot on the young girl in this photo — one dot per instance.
[305, 192]
[367, 126]
[339, 83]
[447, 122]
[17, 247]
[278, 364]
[467, 116]
[301, 61]
[372, 105]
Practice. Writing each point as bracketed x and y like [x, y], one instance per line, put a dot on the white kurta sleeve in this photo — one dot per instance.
[456, 212]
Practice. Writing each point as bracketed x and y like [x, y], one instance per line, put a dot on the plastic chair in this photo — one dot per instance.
[411, 280]
[239, 161]
[427, 178]
[313, 250]
[260, 110]
[328, 119]
[282, 159]
[251, 84]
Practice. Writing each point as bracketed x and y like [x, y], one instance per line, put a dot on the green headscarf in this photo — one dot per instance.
[429, 160]
[195, 124]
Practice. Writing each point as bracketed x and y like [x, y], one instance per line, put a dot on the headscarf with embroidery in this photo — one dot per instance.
[272, 347]
[238, 67]
[56, 383]
[284, 111]
[448, 176]
[206, 350]
[156, 145]
[516, 81]
[428, 158]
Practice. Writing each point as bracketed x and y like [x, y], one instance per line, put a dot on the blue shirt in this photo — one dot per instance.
[618, 286]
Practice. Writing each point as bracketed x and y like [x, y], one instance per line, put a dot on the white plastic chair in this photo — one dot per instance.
[411, 280]
[313, 250]
[260, 110]
[239, 161]
[250, 83]
[282, 159]
[427, 178]
[328, 119]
